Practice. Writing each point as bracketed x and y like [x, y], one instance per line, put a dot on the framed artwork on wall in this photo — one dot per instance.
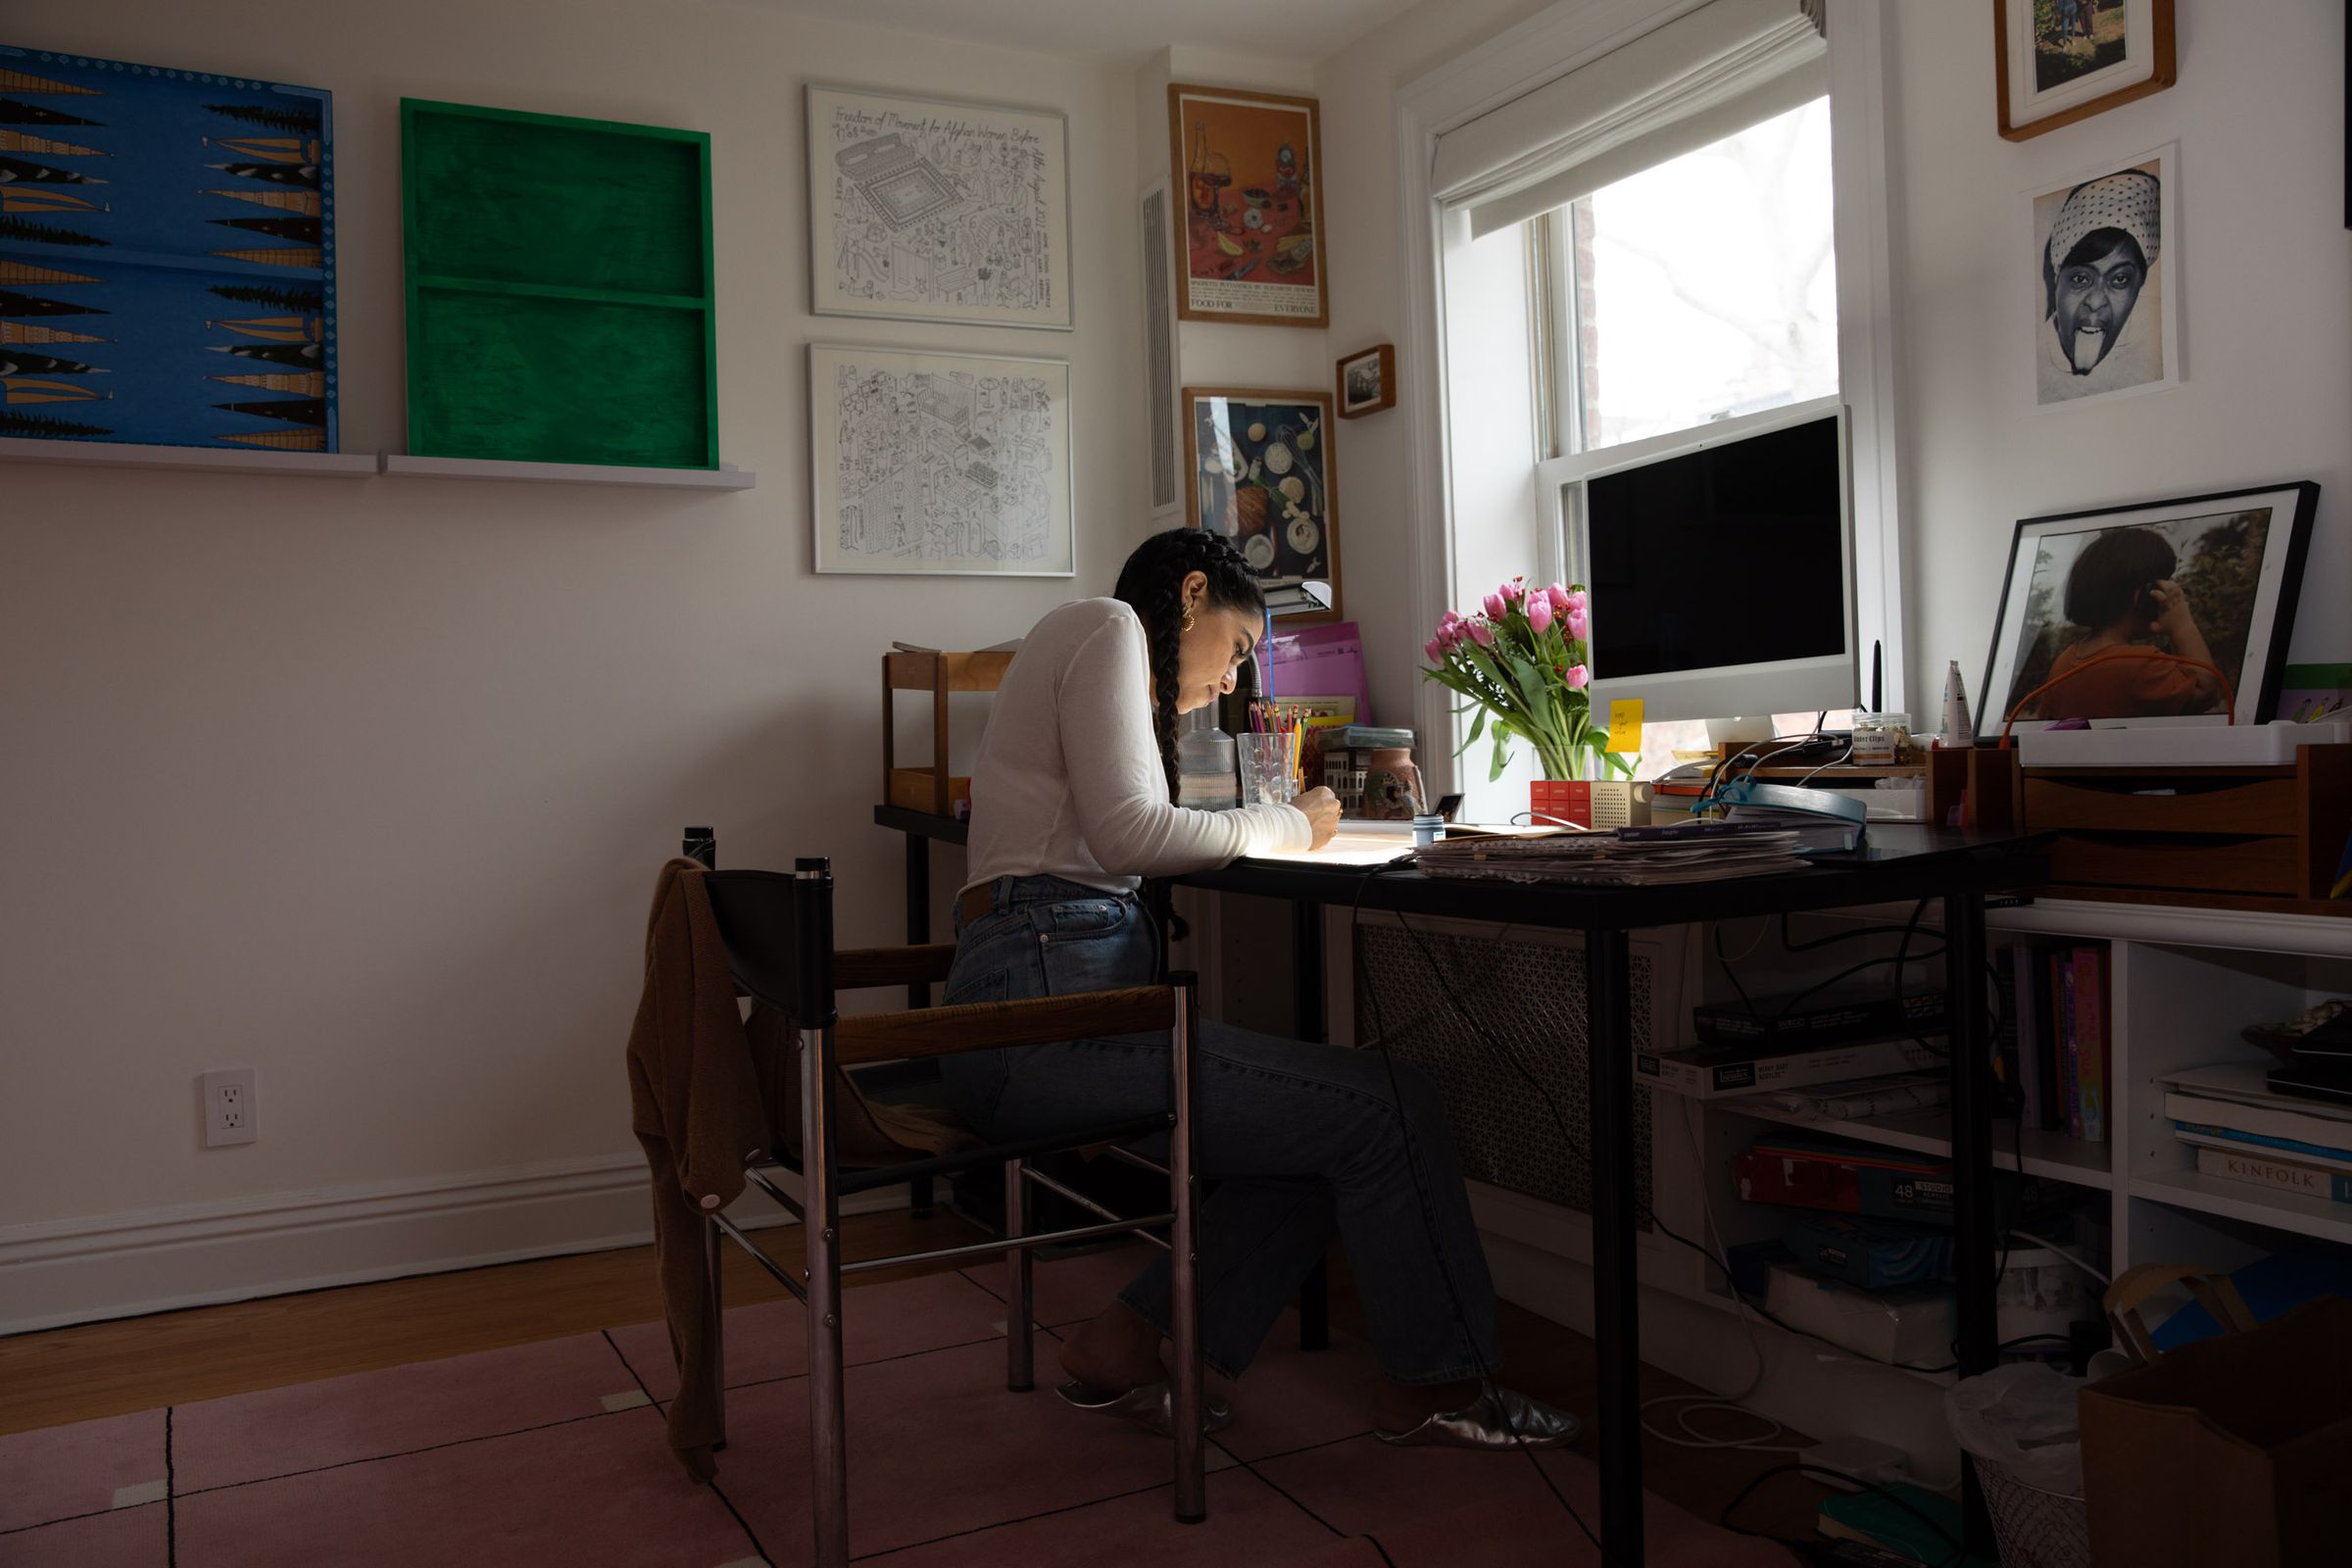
[2104, 280]
[560, 302]
[2059, 61]
[167, 256]
[927, 210]
[2206, 583]
[1250, 246]
[1368, 381]
[1264, 475]
[940, 464]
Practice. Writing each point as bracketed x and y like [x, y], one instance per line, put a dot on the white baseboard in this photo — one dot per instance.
[135, 1261]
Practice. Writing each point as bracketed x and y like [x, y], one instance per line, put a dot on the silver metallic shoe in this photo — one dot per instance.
[1149, 1406]
[1481, 1424]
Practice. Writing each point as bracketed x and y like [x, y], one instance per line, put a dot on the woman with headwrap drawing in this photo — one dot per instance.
[2101, 330]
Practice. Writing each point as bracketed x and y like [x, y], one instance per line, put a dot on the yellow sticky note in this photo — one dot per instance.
[1625, 724]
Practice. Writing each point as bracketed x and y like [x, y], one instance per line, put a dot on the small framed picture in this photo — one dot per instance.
[2161, 613]
[944, 465]
[1264, 475]
[2103, 281]
[1368, 382]
[2061, 61]
[1250, 246]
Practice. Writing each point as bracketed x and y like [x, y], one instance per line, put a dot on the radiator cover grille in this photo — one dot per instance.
[1529, 998]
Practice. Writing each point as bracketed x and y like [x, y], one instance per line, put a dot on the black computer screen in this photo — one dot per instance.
[1733, 555]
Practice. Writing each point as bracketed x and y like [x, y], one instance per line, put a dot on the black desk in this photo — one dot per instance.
[1899, 865]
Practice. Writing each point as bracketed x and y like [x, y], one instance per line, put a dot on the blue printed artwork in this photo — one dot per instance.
[167, 256]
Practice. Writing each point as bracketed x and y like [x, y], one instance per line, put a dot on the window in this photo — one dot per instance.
[1699, 291]
[1695, 291]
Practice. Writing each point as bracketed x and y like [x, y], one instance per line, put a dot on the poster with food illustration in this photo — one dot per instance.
[1249, 165]
[1264, 475]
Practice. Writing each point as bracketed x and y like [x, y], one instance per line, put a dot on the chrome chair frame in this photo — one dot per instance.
[778, 932]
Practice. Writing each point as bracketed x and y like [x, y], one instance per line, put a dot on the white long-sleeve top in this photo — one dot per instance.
[1069, 781]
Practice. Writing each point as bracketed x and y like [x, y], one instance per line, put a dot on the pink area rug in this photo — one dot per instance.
[553, 1453]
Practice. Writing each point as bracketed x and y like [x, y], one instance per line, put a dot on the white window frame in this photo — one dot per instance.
[1543, 47]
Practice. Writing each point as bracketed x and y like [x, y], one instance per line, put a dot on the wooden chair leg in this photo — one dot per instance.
[714, 1245]
[1021, 1302]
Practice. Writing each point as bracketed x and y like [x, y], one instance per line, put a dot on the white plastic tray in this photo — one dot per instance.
[2176, 745]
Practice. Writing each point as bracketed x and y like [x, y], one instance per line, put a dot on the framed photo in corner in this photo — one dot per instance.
[2207, 584]
[927, 210]
[2059, 61]
[1249, 247]
[1368, 381]
[2102, 274]
[1263, 474]
[940, 465]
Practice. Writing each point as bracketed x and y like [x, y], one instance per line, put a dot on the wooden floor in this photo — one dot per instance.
[114, 1368]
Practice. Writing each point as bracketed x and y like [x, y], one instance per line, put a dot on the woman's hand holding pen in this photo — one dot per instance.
[1322, 809]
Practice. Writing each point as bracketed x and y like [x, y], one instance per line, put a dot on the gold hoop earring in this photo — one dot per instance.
[1187, 620]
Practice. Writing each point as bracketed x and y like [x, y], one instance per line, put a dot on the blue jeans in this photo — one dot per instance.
[1303, 1140]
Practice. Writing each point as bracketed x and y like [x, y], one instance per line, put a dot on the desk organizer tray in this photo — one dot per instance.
[2260, 837]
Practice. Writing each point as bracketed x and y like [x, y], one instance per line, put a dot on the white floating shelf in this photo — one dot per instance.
[400, 465]
[191, 459]
[2243, 1201]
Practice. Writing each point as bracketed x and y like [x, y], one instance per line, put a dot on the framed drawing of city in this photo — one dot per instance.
[925, 210]
[1250, 246]
[2103, 281]
[2159, 612]
[2059, 61]
[950, 465]
[1264, 477]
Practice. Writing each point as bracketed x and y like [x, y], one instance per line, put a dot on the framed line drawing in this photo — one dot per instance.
[2210, 580]
[927, 210]
[1250, 246]
[942, 465]
[2104, 280]
[2059, 61]
[1368, 381]
[1264, 475]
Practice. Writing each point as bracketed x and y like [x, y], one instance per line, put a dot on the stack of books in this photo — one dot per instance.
[2054, 1050]
[2244, 1132]
[1644, 857]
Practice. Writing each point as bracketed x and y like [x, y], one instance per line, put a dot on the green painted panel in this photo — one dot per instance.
[550, 381]
[533, 244]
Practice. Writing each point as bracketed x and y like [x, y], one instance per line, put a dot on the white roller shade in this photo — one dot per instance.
[1706, 74]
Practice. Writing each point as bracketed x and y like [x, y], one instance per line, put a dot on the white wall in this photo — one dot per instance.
[364, 784]
[2254, 244]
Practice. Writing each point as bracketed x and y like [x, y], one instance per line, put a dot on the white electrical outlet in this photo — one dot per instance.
[231, 1111]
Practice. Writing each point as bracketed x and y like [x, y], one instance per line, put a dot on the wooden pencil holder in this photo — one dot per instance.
[931, 788]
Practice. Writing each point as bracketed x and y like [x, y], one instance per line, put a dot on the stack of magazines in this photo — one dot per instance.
[1638, 856]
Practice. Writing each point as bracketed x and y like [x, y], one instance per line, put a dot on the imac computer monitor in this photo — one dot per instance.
[1721, 572]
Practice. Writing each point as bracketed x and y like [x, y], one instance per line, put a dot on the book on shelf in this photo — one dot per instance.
[2201, 1136]
[1707, 1071]
[2278, 1175]
[2239, 1100]
[1888, 1096]
[1882, 1183]
[1829, 1020]
[2057, 992]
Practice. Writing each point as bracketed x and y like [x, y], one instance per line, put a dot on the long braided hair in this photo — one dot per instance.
[1151, 584]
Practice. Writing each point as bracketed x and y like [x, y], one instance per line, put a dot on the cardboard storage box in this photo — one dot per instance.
[2236, 1449]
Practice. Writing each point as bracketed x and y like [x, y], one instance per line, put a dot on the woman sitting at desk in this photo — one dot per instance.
[1072, 805]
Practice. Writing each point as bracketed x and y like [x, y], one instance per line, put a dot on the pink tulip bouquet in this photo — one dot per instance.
[1524, 664]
